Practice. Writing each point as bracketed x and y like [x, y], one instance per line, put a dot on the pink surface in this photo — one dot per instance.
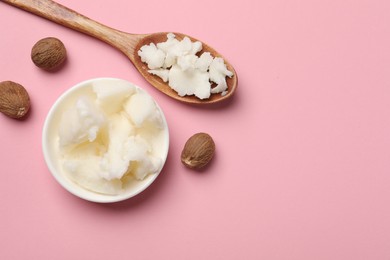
[302, 169]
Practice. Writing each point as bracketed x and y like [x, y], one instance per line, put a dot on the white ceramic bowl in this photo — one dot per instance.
[50, 147]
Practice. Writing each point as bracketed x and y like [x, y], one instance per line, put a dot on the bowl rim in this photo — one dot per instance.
[74, 188]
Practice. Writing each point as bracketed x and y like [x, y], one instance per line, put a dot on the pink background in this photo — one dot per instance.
[302, 169]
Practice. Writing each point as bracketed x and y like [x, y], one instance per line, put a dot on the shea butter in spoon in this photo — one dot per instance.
[179, 64]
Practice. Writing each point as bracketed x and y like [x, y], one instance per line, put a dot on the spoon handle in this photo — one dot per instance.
[64, 16]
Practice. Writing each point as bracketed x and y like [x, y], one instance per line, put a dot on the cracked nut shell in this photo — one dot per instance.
[14, 99]
[198, 151]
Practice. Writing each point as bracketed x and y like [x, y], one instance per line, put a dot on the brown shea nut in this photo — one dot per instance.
[48, 53]
[198, 151]
[14, 99]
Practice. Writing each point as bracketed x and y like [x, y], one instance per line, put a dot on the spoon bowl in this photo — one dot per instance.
[163, 87]
[127, 43]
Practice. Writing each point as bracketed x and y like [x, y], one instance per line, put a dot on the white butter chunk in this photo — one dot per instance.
[196, 47]
[162, 73]
[187, 62]
[168, 48]
[80, 123]
[183, 47]
[204, 62]
[142, 162]
[115, 162]
[190, 82]
[82, 166]
[145, 166]
[140, 107]
[185, 71]
[109, 98]
[218, 73]
[152, 56]
[83, 172]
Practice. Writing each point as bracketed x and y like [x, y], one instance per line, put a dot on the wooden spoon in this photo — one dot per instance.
[128, 43]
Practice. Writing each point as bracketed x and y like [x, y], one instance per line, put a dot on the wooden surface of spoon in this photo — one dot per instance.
[128, 43]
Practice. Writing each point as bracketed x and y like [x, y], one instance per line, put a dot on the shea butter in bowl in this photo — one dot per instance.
[105, 140]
